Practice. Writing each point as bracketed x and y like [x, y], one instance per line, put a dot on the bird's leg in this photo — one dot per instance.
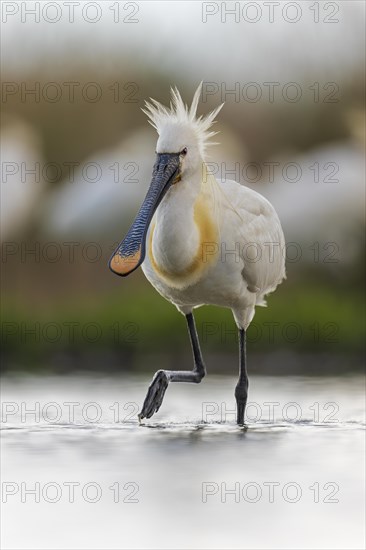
[159, 384]
[241, 390]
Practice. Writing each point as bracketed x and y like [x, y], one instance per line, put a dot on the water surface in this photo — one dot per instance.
[188, 477]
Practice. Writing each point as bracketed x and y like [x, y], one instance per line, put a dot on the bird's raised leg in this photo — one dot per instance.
[241, 390]
[159, 384]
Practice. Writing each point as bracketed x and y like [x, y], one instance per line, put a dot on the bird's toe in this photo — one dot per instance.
[155, 395]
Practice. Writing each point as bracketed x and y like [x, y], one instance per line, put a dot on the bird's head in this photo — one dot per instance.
[180, 141]
[180, 152]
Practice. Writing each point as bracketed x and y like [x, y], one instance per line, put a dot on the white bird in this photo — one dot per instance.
[199, 240]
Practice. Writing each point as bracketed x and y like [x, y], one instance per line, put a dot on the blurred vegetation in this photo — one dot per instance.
[121, 329]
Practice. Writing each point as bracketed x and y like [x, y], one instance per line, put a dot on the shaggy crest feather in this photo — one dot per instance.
[159, 116]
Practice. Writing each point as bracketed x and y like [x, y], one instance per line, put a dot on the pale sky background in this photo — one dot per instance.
[171, 37]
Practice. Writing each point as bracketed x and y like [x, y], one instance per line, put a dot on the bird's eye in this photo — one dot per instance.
[184, 151]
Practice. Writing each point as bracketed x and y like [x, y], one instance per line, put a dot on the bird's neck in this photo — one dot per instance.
[182, 227]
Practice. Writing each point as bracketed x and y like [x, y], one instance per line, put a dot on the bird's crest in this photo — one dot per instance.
[179, 113]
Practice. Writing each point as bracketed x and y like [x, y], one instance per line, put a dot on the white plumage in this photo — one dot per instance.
[200, 241]
[246, 259]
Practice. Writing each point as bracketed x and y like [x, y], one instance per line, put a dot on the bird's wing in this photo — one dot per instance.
[258, 231]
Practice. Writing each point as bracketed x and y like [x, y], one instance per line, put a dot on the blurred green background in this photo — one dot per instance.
[77, 153]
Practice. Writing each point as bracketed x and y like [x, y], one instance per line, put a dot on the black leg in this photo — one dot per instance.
[241, 390]
[159, 384]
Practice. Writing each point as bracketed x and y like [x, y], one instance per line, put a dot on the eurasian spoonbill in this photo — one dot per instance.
[207, 241]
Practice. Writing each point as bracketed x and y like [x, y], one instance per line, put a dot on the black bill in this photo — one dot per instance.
[130, 253]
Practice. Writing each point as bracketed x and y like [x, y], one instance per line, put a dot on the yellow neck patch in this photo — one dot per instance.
[208, 239]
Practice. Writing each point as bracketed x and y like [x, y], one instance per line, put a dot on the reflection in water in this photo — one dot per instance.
[188, 477]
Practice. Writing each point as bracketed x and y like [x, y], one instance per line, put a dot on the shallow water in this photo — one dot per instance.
[188, 477]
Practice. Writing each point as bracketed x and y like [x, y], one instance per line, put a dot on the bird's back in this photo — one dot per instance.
[251, 224]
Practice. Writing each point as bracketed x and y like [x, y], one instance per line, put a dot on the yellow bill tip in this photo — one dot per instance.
[123, 265]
